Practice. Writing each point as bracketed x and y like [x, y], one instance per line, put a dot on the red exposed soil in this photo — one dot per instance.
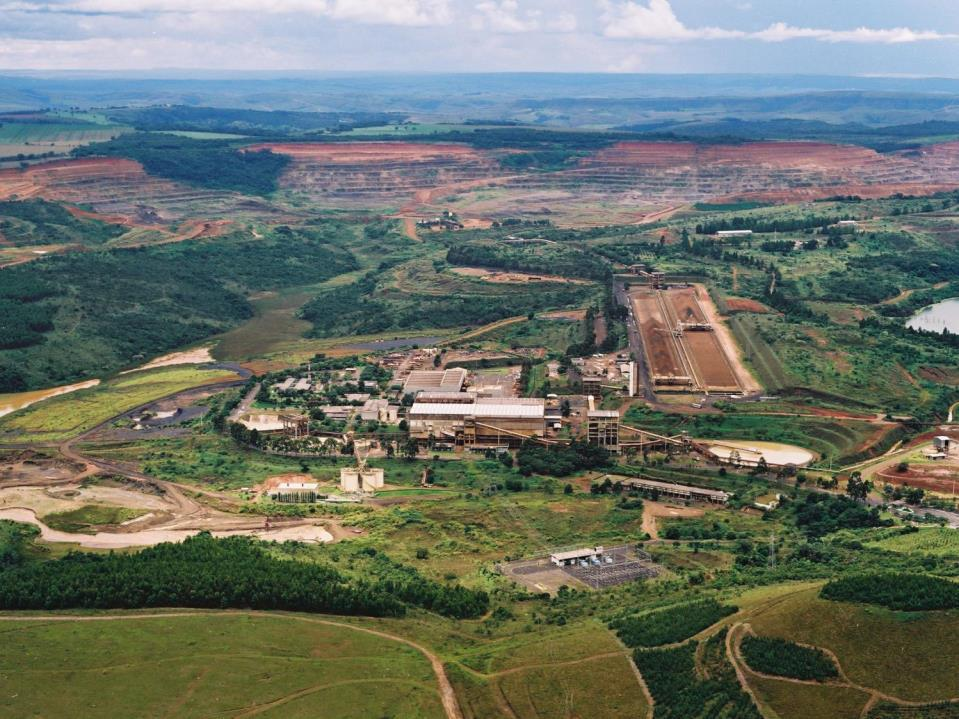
[775, 154]
[369, 152]
[741, 304]
[942, 480]
[941, 375]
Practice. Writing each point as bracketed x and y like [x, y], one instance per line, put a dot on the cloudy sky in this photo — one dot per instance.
[886, 37]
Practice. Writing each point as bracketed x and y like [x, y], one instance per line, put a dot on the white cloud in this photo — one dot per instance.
[140, 54]
[780, 32]
[657, 21]
[504, 16]
[392, 12]
[563, 22]
[376, 12]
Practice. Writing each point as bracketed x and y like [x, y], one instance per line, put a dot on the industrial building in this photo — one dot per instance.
[676, 491]
[602, 428]
[592, 385]
[448, 380]
[734, 233]
[484, 421]
[355, 480]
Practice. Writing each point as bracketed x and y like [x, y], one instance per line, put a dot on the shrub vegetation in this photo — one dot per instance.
[670, 625]
[783, 658]
[904, 592]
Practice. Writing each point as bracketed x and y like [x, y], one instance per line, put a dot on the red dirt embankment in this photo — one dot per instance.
[741, 304]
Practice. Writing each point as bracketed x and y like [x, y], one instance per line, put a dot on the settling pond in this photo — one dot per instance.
[938, 317]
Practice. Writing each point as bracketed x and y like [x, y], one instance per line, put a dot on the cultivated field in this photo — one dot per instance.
[58, 138]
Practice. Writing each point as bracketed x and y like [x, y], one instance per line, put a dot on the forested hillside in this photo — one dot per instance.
[71, 316]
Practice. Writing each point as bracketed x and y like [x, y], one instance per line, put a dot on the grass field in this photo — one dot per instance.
[86, 519]
[801, 701]
[214, 665]
[575, 672]
[934, 540]
[37, 138]
[873, 645]
[63, 417]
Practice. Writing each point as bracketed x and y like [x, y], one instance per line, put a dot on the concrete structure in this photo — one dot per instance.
[355, 480]
[573, 556]
[592, 384]
[449, 380]
[677, 491]
[294, 492]
[486, 421]
[295, 425]
[602, 428]
[378, 410]
[633, 383]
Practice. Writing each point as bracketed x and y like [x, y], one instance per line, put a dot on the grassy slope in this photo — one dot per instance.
[212, 665]
[873, 645]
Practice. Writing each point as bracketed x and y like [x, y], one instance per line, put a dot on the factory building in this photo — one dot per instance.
[482, 422]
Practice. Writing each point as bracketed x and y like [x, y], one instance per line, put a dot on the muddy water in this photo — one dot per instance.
[750, 451]
[13, 402]
[938, 317]
[150, 537]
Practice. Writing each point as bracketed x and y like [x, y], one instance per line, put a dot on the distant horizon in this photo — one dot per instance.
[172, 72]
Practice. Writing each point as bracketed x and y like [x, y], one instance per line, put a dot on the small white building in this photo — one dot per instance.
[355, 480]
[942, 443]
[294, 492]
[574, 556]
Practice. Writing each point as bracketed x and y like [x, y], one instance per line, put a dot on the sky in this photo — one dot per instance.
[838, 37]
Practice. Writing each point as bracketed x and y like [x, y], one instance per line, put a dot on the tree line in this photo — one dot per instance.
[893, 590]
[233, 572]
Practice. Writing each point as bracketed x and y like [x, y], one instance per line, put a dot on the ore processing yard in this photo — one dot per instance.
[683, 346]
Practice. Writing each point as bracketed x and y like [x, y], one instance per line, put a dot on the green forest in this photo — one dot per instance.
[234, 572]
[40, 222]
[214, 164]
[63, 322]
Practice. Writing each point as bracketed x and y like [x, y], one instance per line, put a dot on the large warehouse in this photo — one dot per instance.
[482, 422]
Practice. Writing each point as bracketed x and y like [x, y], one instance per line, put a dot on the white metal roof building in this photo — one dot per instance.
[484, 421]
[448, 380]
